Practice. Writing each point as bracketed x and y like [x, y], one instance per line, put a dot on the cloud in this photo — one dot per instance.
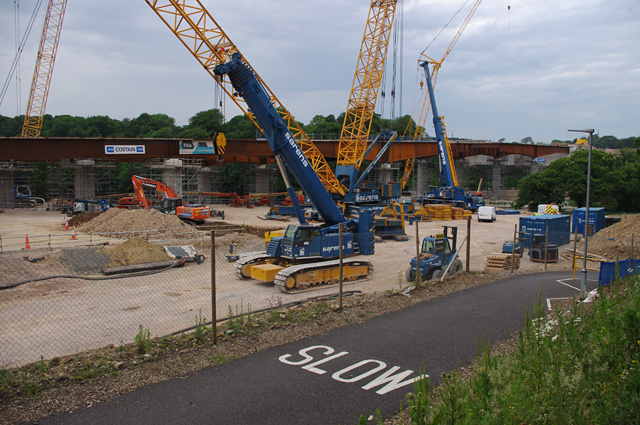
[534, 70]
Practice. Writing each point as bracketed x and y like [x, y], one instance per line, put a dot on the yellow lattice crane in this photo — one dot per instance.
[424, 100]
[364, 90]
[210, 45]
[44, 68]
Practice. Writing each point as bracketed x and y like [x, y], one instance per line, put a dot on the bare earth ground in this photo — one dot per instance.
[67, 383]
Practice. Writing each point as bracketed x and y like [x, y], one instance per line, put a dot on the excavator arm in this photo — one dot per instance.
[138, 189]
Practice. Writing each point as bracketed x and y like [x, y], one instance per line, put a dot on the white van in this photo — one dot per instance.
[487, 213]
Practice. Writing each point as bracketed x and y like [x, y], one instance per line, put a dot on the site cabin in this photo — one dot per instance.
[487, 214]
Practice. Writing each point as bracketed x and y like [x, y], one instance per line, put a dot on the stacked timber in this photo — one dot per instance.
[423, 214]
[498, 262]
[442, 212]
[439, 211]
[459, 213]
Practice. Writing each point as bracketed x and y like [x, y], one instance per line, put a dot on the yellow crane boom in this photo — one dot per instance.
[44, 68]
[364, 90]
[210, 45]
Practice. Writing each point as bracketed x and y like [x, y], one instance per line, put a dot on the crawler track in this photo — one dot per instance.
[306, 276]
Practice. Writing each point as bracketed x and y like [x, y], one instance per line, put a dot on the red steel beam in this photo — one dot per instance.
[245, 151]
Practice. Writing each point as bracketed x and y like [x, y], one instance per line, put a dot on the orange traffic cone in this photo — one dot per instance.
[66, 224]
[26, 243]
[73, 233]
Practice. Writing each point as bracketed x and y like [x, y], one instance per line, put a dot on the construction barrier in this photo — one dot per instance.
[614, 270]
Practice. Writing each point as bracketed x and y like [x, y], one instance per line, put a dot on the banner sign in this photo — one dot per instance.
[124, 149]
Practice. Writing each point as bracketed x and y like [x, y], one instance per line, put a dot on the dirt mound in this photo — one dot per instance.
[136, 251]
[151, 222]
[616, 239]
[80, 218]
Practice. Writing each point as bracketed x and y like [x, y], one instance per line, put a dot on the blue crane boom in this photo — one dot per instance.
[279, 138]
[446, 172]
[305, 255]
[449, 191]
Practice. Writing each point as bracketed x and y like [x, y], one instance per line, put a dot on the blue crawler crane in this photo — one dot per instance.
[306, 255]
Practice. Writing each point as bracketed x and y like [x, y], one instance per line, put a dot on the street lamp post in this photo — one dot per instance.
[583, 272]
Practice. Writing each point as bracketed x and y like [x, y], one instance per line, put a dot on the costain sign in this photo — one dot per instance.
[124, 149]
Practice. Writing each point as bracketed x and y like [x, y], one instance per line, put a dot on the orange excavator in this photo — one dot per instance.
[171, 203]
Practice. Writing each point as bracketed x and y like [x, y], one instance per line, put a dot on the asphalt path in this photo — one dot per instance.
[335, 377]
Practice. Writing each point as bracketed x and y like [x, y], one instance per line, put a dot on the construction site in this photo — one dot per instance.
[90, 266]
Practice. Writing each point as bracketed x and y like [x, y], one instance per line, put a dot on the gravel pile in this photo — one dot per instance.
[116, 222]
[616, 239]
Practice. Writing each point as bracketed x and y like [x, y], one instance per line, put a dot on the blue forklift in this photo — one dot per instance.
[437, 252]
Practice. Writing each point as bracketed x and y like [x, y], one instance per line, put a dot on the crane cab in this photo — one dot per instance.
[307, 241]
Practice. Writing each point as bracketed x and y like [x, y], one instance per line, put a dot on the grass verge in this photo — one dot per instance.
[580, 366]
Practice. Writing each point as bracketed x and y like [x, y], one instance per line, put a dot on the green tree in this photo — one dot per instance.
[65, 126]
[323, 127]
[615, 183]
[146, 125]
[209, 121]
[11, 127]
[240, 127]
[103, 126]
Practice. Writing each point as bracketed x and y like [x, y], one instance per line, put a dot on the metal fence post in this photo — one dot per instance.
[418, 276]
[468, 265]
[214, 313]
[341, 271]
[546, 247]
[513, 249]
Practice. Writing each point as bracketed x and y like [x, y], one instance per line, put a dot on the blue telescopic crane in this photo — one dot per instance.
[306, 255]
[449, 191]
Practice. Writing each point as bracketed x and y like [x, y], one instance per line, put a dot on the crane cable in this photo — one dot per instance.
[16, 26]
[445, 26]
[397, 58]
[398, 50]
[16, 59]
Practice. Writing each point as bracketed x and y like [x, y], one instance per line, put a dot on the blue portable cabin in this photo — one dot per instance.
[559, 227]
[596, 220]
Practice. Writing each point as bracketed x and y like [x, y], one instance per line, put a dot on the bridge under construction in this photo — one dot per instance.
[79, 167]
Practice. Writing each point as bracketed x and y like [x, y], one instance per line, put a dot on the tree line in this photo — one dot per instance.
[615, 181]
[201, 126]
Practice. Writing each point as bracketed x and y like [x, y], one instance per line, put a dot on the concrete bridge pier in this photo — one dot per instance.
[262, 179]
[84, 182]
[496, 177]
[172, 174]
[204, 179]
[383, 173]
[6, 188]
[421, 168]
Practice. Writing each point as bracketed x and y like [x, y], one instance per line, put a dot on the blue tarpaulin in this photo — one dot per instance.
[625, 268]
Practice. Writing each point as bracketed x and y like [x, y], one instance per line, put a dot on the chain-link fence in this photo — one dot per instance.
[57, 300]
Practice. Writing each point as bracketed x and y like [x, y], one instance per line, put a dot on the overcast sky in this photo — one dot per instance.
[536, 69]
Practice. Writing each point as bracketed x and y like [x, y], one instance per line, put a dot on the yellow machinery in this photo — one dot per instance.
[44, 68]
[364, 90]
[210, 45]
